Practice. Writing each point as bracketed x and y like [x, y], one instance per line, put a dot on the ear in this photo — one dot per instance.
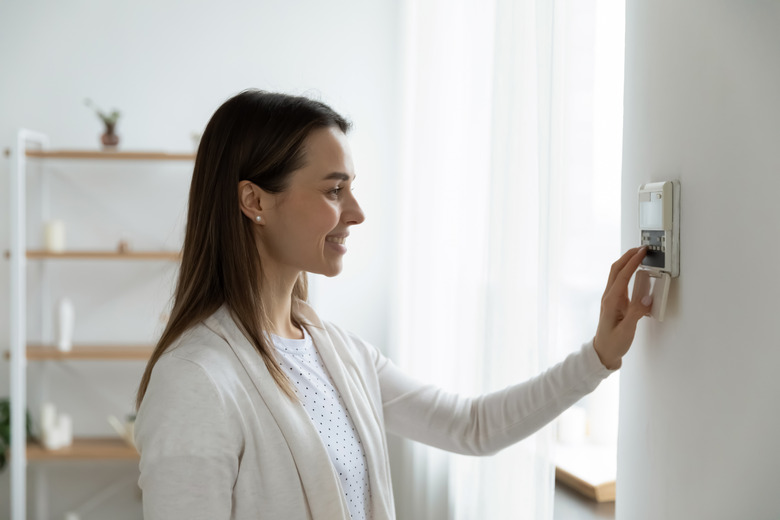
[250, 199]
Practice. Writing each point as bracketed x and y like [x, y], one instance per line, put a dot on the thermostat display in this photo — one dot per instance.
[651, 214]
[659, 229]
[659, 225]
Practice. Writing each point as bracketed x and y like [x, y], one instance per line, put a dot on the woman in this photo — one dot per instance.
[251, 406]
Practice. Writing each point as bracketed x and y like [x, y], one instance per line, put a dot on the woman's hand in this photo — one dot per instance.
[619, 316]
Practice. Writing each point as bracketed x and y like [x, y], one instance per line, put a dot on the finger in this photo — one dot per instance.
[641, 298]
[624, 275]
[636, 311]
[619, 264]
[641, 302]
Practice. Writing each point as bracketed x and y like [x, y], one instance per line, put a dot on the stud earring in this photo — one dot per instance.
[258, 219]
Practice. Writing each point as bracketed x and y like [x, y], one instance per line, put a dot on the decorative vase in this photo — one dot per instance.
[109, 139]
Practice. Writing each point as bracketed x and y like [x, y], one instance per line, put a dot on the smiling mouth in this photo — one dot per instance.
[336, 240]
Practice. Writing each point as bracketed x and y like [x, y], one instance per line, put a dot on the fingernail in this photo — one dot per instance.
[647, 300]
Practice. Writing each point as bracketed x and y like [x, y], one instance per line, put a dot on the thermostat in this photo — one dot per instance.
[659, 228]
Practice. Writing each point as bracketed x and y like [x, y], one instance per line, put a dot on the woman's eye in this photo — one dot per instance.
[335, 192]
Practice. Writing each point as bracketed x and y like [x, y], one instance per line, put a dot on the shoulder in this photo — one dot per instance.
[337, 333]
[343, 335]
[200, 365]
[348, 344]
[356, 346]
[200, 352]
[190, 371]
[191, 390]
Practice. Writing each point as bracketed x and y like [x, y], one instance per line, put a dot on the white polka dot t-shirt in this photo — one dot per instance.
[314, 387]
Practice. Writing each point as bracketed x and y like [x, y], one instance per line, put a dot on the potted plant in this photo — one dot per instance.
[5, 429]
[109, 138]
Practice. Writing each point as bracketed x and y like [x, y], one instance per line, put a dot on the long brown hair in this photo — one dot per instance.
[256, 136]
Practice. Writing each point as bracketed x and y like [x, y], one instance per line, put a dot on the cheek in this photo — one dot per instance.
[324, 218]
[306, 221]
[314, 222]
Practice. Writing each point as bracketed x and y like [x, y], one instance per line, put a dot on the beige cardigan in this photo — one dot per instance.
[219, 440]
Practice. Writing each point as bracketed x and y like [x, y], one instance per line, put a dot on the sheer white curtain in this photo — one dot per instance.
[509, 219]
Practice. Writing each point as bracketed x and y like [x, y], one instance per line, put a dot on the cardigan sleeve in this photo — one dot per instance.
[486, 424]
[189, 451]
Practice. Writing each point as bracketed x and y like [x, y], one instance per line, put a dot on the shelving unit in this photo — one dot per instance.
[588, 469]
[85, 449]
[117, 156]
[88, 353]
[22, 351]
[603, 492]
[100, 255]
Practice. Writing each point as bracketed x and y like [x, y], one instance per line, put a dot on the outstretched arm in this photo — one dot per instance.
[486, 424]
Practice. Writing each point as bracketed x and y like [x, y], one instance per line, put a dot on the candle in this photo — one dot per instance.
[56, 429]
[65, 320]
[49, 427]
[65, 430]
[48, 417]
[54, 236]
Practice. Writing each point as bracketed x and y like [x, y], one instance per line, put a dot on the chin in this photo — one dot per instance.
[334, 270]
[330, 271]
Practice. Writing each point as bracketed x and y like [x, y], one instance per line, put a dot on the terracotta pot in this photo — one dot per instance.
[109, 139]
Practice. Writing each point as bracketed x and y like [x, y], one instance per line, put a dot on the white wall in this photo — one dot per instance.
[699, 421]
[167, 65]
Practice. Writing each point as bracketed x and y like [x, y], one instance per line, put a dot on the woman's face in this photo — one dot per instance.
[305, 227]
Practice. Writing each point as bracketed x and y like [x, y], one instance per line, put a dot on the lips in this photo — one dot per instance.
[336, 239]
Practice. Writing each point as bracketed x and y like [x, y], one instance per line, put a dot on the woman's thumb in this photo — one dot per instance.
[642, 299]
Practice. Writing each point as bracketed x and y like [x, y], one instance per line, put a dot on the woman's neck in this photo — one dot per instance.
[277, 299]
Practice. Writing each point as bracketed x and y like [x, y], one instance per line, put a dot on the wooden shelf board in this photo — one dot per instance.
[111, 155]
[102, 255]
[604, 492]
[85, 448]
[587, 468]
[89, 352]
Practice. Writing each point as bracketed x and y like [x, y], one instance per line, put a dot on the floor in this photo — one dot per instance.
[570, 505]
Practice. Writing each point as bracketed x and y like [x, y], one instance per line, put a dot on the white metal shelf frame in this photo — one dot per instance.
[18, 317]
[18, 293]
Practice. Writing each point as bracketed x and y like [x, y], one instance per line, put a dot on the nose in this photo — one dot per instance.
[353, 213]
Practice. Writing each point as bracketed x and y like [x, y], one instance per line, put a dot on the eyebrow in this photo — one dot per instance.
[338, 175]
